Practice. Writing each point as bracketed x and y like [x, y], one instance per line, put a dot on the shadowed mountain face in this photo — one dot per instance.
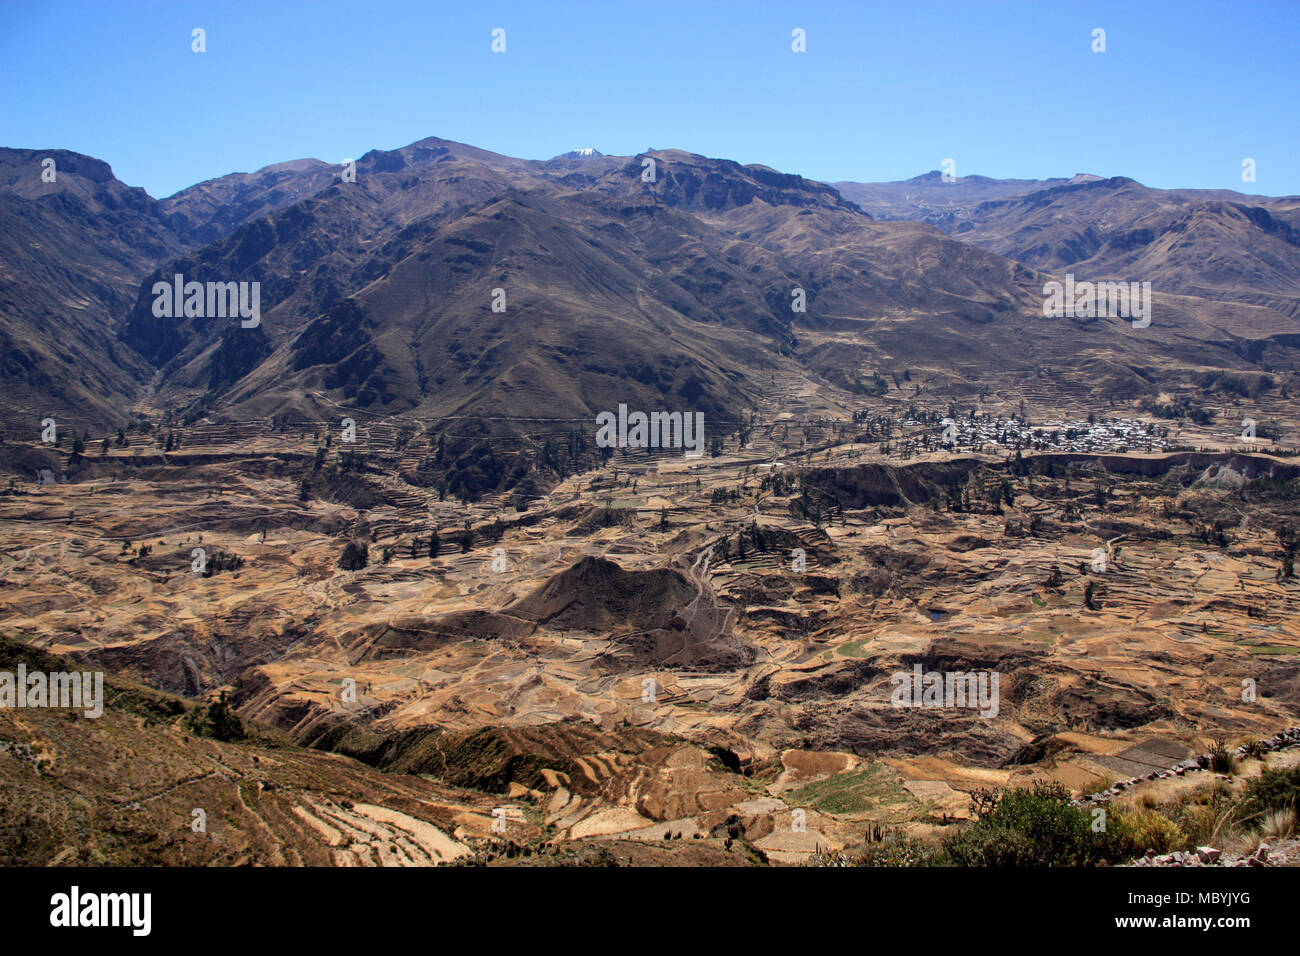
[673, 293]
[71, 255]
[1212, 244]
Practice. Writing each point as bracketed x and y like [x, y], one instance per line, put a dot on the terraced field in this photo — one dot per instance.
[650, 651]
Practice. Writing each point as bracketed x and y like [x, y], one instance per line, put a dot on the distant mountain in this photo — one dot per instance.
[1237, 249]
[585, 153]
[1213, 244]
[930, 198]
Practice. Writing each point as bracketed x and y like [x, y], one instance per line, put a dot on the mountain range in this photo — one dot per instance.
[444, 282]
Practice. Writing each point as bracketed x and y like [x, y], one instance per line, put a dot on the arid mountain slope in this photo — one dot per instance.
[451, 283]
[379, 294]
[1212, 244]
[71, 255]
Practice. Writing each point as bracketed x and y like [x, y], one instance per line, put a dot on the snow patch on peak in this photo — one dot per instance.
[585, 152]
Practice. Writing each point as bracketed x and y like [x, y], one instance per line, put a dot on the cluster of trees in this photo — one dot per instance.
[218, 561]
[355, 556]
[1215, 534]
[748, 539]
[218, 720]
[1182, 407]
[169, 442]
[467, 467]
[430, 548]
[722, 496]
[815, 510]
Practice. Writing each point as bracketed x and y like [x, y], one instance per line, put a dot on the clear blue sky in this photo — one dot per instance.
[1184, 91]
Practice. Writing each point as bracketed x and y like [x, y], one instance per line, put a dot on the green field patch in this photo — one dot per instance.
[1036, 635]
[853, 648]
[874, 789]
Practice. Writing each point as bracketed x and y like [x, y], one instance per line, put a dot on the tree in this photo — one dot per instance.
[1290, 542]
[994, 494]
[435, 544]
[356, 555]
[217, 720]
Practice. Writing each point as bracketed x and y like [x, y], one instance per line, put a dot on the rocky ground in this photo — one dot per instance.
[1286, 853]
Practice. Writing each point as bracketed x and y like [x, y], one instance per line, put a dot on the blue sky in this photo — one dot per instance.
[885, 91]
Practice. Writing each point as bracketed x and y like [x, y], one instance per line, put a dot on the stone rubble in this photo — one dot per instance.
[1210, 856]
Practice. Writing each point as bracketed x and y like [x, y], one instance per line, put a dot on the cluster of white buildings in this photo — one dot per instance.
[1113, 435]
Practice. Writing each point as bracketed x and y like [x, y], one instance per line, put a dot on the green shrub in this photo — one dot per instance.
[1206, 813]
[1222, 759]
[1274, 789]
[980, 845]
[1137, 830]
[895, 848]
[1031, 827]
[217, 721]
